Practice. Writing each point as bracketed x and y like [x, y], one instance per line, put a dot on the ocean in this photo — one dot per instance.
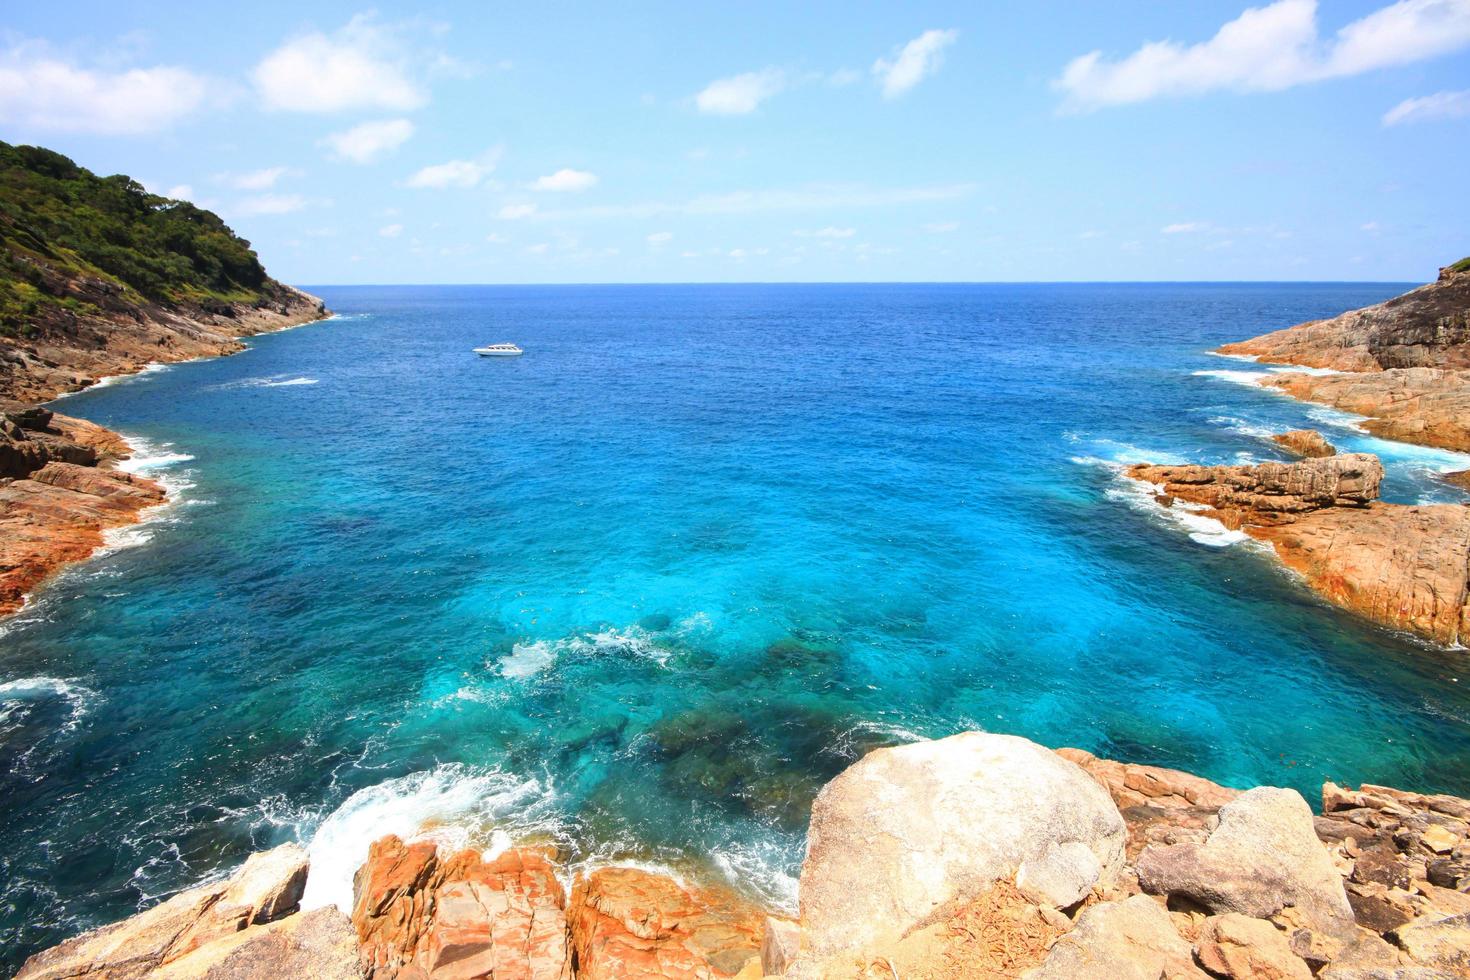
[641, 591]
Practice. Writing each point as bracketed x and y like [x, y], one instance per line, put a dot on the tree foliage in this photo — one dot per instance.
[60, 222]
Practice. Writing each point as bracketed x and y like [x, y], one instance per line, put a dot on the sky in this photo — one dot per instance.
[468, 142]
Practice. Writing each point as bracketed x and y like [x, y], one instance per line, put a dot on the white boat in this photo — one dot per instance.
[499, 350]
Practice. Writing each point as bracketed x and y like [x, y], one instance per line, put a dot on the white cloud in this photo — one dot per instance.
[255, 180]
[512, 212]
[1269, 48]
[843, 77]
[1440, 105]
[539, 248]
[496, 238]
[565, 179]
[358, 67]
[814, 197]
[180, 192]
[941, 227]
[660, 238]
[455, 173]
[1368, 226]
[828, 232]
[368, 141]
[1184, 228]
[270, 204]
[44, 91]
[391, 231]
[914, 62]
[740, 94]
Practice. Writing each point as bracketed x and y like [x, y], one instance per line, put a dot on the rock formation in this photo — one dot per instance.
[1425, 327]
[420, 914]
[628, 922]
[1427, 406]
[957, 815]
[1305, 442]
[1407, 567]
[197, 931]
[1196, 881]
[60, 489]
[1408, 362]
[58, 358]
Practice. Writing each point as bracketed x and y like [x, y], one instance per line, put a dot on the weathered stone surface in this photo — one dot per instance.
[1427, 406]
[1128, 940]
[459, 916]
[1270, 493]
[1425, 327]
[144, 942]
[909, 829]
[1061, 876]
[1408, 361]
[316, 945]
[1440, 943]
[58, 357]
[1263, 857]
[1135, 785]
[267, 887]
[1243, 948]
[1305, 442]
[779, 946]
[1407, 567]
[59, 493]
[627, 922]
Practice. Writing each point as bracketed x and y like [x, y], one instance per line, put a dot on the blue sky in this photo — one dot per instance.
[469, 142]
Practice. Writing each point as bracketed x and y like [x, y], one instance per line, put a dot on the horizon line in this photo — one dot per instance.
[901, 282]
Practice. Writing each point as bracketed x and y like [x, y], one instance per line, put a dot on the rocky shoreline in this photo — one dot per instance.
[1405, 365]
[974, 856]
[1400, 565]
[63, 481]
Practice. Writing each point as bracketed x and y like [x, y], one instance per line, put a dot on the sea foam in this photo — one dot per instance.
[454, 805]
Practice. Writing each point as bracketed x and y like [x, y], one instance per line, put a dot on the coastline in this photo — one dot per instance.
[976, 855]
[1400, 367]
[64, 482]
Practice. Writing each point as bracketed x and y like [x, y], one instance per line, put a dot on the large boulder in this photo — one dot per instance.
[910, 829]
[459, 916]
[316, 945]
[1262, 858]
[1128, 940]
[266, 888]
[628, 922]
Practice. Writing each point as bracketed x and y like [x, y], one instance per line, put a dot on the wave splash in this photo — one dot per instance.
[454, 805]
[526, 660]
[20, 697]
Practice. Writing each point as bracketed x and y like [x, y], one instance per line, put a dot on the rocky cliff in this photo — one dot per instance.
[975, 856]
[98, 278]
[1407, 567]
[1408, 361]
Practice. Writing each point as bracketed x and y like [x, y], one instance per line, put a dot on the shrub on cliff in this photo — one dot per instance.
[60, 223]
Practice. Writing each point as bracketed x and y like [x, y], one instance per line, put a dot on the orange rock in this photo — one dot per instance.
[1407, 567]
[460, 917]
[627, 922]
[1408, 361]
[1305, 442]
[57, 515]
[1134, 785]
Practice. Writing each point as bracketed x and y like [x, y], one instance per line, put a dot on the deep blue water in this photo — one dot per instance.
[645, 588]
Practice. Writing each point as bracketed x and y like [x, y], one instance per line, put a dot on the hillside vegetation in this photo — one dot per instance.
[74, 242]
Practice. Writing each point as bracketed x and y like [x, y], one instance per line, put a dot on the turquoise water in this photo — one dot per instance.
[645, 588]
